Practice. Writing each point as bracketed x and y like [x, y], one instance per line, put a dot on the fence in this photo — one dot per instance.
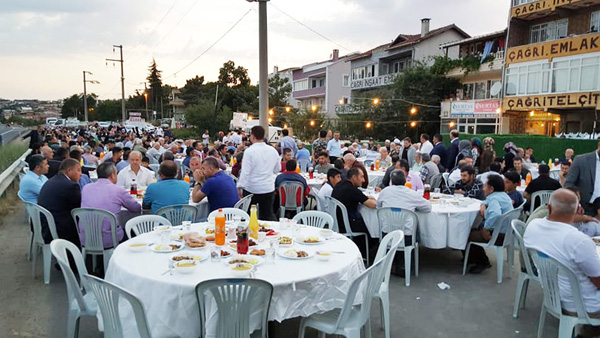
[8, 176]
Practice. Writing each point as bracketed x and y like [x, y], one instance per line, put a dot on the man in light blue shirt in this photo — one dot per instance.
[34, 179]
[334, 147]
[287, 142]
[168, 191]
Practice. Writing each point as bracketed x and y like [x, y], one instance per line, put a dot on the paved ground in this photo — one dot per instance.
[474, 306]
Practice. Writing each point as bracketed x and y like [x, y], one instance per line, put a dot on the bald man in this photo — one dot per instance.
[135, 172]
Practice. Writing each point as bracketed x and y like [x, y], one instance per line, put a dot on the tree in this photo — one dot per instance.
[155, 91]
[279, 91]
[231, 76]
[73, 105]
[202, 116]
[108, 110]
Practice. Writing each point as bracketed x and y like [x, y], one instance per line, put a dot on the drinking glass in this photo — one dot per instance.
[436, 191]
[215, 254]
[187, 226]
[165, 236]
[274, 244]
[270, 255]
[283, 223]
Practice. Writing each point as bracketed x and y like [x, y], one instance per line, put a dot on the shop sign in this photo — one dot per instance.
[538, 6]
[544, 102]
[485, 108]
[548, 50]
[373, 82]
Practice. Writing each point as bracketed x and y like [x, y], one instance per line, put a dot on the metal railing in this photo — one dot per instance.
[8, 176]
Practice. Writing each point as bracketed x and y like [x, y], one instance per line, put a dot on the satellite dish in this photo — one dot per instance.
[496, 88]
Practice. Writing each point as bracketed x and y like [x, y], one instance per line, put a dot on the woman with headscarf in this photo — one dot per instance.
[510, 150]
[476, 150]
[464, 150]
[487, 154]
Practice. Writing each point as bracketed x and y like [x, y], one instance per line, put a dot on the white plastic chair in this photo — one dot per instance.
[289, 190]
[350, 319]
[230, 213]
[244, 203]
[543, 196]
[313, 218]
[235, 300]
[529, 274]
[436, 181]
[345, 229]
[27, 218]
[92, 221]
[322, 204]
[446, 177]
[548, 269]
[108, 296]
[143, 224]
[391, 219]
[304, 163]
[82, 301]
[385, 246]
[502, 223]
[35, 213]
[178, 213]
[154, 167]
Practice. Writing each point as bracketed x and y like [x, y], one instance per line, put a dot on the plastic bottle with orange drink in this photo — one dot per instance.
[253, 226]
[220, 228]
[377, 165]
[528, 179]
[408, 185]
[187, 178]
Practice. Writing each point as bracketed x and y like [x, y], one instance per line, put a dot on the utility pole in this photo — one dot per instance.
[263, 57]
[85, 107]
[123, 113]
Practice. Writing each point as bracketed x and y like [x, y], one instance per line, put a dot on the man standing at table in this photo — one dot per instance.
[334, 147]
[34, 179]
[215, 185]
[426, 146]
[287, 142]
[257, 177]
[168, 191]
[106, 195]
[439, 149]
[134, 171]
[585, 175]
[452, 150]
[60, 195]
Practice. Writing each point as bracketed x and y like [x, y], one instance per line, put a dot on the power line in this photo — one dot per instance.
[177, 24]
[158, 24]
[310, 29]
[211, 46]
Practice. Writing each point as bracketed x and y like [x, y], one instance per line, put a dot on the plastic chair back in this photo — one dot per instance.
[154, 167]
[304, 163]
[391, 219]
[230, 213]
[502, 225]
[35, 213]
[108, 296]
[436, 181]
[185, 170]
[59, 249]
[543, 196]
[519, 230]
[143, 224]
[322, 204]
[244, 203]
[178, 213]
[333, 206]
[291, 195]
[235, 299]
[92, 220]
[389, 243]
[447, 182]
[313, 218]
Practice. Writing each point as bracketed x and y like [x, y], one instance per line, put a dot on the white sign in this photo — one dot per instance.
[372, 82]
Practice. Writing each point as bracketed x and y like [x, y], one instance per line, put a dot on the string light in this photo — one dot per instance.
[287, 109]
[285, 126]
[270, 120]
[271, 112]
[376, 101]
[531, 113]
[542, 124]
[451, 124]
[413, 124]
[312, 123]
[498, 110]
[314, 107]
[413, 110]
[250, 118]
[368, 125]
[341, 101]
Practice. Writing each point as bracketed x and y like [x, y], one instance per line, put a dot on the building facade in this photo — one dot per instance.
[287, 73]
[476, 107]
[552, 66]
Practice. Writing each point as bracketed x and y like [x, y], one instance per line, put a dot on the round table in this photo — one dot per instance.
[447, 225]
[301, 287]
[375, 176]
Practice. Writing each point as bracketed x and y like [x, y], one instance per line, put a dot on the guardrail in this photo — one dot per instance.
[6, 136]
[8, 176]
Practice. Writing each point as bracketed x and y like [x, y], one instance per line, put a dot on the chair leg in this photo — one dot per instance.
[47, 257]
[524, 294]
[466, 258]
[34, 260]
[407, 267]
[385, 313]
[500, 263]
[510, 255]
[518, 295]
[368, 328]
[416, 259]
[30, 252]
[367, 247]
[566, 327]
[542, 322]
[302, 329]
[73, 324]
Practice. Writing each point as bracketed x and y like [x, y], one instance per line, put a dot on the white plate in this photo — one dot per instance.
[198, 248]
[301, 241]
[281, 254]
[202, 257]
[247, 258]
[156, 246]
[286, 245]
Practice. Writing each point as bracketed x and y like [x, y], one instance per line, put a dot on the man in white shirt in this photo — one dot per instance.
[556, 237]
[205, 138]
[426, 145]
[334, 176]
[334, 147]
[236, 138]
[134, 171]
[259, 170]
[154, 152]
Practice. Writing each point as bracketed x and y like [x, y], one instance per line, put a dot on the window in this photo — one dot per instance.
[595, 22]
[385, 69]
[346, 81]
[549, 31]
[363, 72]
[345, 100]
[300, 85]
[521, 2]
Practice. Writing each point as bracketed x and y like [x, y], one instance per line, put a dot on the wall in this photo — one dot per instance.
[335, 90]
[431, 46]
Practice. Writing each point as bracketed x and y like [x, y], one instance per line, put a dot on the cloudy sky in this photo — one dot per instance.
[47, 44]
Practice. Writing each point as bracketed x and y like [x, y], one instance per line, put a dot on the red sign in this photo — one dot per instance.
[487, 107]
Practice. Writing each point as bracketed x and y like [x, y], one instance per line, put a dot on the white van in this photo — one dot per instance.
[50, 121]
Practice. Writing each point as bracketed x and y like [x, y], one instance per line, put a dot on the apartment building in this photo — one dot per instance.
[288, 74]
[552, 75]
[476, 107]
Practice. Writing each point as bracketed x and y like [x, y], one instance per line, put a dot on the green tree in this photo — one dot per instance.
[155, 90]
[233, 76]
[202, 116]
[279, 91]
[108, 110]
[73, 105]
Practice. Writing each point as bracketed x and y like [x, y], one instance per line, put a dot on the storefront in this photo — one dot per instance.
[472, 116]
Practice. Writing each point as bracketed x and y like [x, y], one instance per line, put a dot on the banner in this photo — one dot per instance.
[588, 43]
[544, 102]
[538, 6]
[486, 108]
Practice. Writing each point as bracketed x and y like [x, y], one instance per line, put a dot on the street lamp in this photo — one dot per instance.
[146, 99]
[413, 110]
[263, 57]
[85, 108]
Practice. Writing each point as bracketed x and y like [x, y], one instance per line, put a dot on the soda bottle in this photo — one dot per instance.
[427, 192]
[311, 173]
[187, 178]
[377, 165]
[408, 185]
[528, 179]
[133, 189]
[253, 225]
[242, 240]
[220, 228]
[372, 167]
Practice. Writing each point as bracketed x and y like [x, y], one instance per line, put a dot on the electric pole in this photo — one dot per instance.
[85, 107]
[123, 113]
[263, 72]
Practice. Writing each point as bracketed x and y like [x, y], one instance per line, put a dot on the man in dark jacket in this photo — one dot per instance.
[55, 162]
[60, 195]
[452, 150]
[439, 148]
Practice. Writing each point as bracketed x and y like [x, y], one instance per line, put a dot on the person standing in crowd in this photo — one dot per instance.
[511, 182]
[452, 151]
[487, 154]
[168, 191]
[469, 185]
[556, 237]
[496, 204]
[135, 171]
[60, 195]
[407, 152]
[334, 147]
[511, 151]
[565, 167]
[319, 145]
[287, 142]
[518, 167]
[261, 165]
[323, 165]
[34, 179]
[585, 175]
[334, 177]
[439, 149]
[543, 182]
[476, 150]
[206, 138]
[426, 146]
[215, 185]
[106, 195]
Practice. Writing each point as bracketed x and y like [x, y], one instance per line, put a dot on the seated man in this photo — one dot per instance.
[285, 157]
[468, 186]
[323, 165]
[106, 195]
[511, 182]
[429, 169]
[384, 159]
[290, 175]
[334, 177]
[168, 191]
[543, 182]
[385, 181]
[495, 205]
[55, 162]
[399, 196]
[518, 168]
[565, 167]
[556, 237]
[214, 184]
[125, 162]
[34, 179]
[142, 176]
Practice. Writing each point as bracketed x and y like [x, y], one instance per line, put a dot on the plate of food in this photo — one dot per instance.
[210, 230]
[210, 238]
[257, 252]
[267, 230]
[137, 246]
[285, 241]
[225, 253]
[194, 241]
[169, 247]
[309, 240]
[243, 259]
[295, 254]
[251, 243]
[596, 240]
[187, 256]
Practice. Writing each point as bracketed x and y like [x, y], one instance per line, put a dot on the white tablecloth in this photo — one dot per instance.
[301, 288]
[445, 226]
[202, 206]
[553, 172]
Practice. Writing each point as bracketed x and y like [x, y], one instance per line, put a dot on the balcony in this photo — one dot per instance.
[488, 69]
[311, 92]
[541, 8]
[580, 44]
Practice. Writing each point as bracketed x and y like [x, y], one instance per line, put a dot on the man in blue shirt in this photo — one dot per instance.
[289, 174]
[287, 142]
[334, 147]
[214, 184]
[168, 191]
[34, 179]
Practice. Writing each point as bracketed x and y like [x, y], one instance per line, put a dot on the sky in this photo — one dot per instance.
[48, 44]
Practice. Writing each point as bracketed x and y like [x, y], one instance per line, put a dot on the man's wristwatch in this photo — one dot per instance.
[199, 184]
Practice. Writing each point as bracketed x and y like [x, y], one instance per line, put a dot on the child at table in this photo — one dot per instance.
[511, 181]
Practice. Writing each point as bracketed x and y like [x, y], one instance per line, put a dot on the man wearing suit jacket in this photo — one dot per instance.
[585, 175]
[452, 150]
[54, 163]
[60, 195]
[439, 148]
